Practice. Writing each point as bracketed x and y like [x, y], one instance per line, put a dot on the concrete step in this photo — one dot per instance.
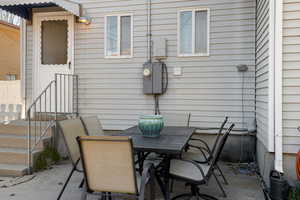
[48, 116]
[7, 170]
[21, 142]
[21, 129]
[16, 156]
[14, 145]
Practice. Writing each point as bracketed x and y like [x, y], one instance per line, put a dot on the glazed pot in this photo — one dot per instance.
[151, 125]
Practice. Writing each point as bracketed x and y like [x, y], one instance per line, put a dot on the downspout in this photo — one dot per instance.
[271, 97]
[278, 85]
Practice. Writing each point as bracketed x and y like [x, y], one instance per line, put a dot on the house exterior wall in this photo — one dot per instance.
[10, 50]
[210, 87]
[290, 99]
[262, 70]
[264, 158]
[291, 86]
[291, 75]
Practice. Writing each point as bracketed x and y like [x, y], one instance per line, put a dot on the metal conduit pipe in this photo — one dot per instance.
[149, 31]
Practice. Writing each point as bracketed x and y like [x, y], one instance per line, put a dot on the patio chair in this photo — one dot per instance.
[108, 164]
[206, 152]
[196, 174]
[204, 145]
[92, 126]
[71, 129]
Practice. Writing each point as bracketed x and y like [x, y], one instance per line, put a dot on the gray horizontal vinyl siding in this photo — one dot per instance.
[291, 75]
[262, 69]
[210, 87]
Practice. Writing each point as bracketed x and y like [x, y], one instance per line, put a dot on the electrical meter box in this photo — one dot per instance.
[153, 78]
[160, 49]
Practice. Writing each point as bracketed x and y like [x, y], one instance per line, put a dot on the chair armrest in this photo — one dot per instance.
[202, 141]
[202, 150]
[147, 177]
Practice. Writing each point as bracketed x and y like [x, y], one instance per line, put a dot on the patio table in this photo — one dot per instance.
[170, 144]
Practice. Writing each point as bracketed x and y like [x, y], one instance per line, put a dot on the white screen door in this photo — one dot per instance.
[54, 46]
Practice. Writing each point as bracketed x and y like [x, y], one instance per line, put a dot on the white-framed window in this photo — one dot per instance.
[193, 32]
[118, 36]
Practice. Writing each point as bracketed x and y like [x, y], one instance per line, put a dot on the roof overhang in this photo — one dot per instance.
[23, 8]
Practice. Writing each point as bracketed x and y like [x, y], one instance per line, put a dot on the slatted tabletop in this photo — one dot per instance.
[172, 140]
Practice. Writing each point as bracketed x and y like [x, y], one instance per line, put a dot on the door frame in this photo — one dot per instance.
[36, 48]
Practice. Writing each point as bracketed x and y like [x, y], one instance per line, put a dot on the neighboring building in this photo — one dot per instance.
[10, 51]
[206, 41]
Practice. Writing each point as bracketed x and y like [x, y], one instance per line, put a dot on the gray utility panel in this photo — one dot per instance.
[153, 78]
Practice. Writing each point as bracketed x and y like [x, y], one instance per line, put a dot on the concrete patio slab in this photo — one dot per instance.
[47, 184]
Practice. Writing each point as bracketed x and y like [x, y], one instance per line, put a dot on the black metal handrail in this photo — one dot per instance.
[60, 97]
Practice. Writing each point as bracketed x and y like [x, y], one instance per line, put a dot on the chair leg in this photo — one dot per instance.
[66, 183]
[171, 185]
[81, 184]
[219, 184]
[84, 193]
[219, 169]
[109, 196]
[151, 184]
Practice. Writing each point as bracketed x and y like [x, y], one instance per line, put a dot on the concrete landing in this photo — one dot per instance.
[46, 185]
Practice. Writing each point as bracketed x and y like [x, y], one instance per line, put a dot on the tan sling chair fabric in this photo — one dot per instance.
[71, 129]
[92, 125]
[108, 164]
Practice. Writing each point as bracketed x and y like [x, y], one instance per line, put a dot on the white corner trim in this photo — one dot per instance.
[23, 58]
[23, 30]
[278, 85]
[271, 102]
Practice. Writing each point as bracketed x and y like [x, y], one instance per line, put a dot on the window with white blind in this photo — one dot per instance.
[119, 36]
[193, 32]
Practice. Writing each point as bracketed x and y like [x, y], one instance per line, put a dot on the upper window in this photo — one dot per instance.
[193, 32]
[118, 36]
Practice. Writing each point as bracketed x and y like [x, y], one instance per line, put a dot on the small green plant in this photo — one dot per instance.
[294, 194]
[46, 158]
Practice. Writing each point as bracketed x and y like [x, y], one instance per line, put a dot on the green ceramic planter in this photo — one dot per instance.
[151, 125]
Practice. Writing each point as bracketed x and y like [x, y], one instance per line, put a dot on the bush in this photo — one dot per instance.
[46, 158]
[294, 194]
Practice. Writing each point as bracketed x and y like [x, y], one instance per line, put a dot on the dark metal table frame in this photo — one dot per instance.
[170, 144]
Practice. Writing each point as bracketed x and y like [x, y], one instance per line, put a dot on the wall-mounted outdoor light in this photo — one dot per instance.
[85, 20]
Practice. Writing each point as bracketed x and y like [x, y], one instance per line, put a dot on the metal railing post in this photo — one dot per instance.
[55, 108]
[77, 90]
[29, 142]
